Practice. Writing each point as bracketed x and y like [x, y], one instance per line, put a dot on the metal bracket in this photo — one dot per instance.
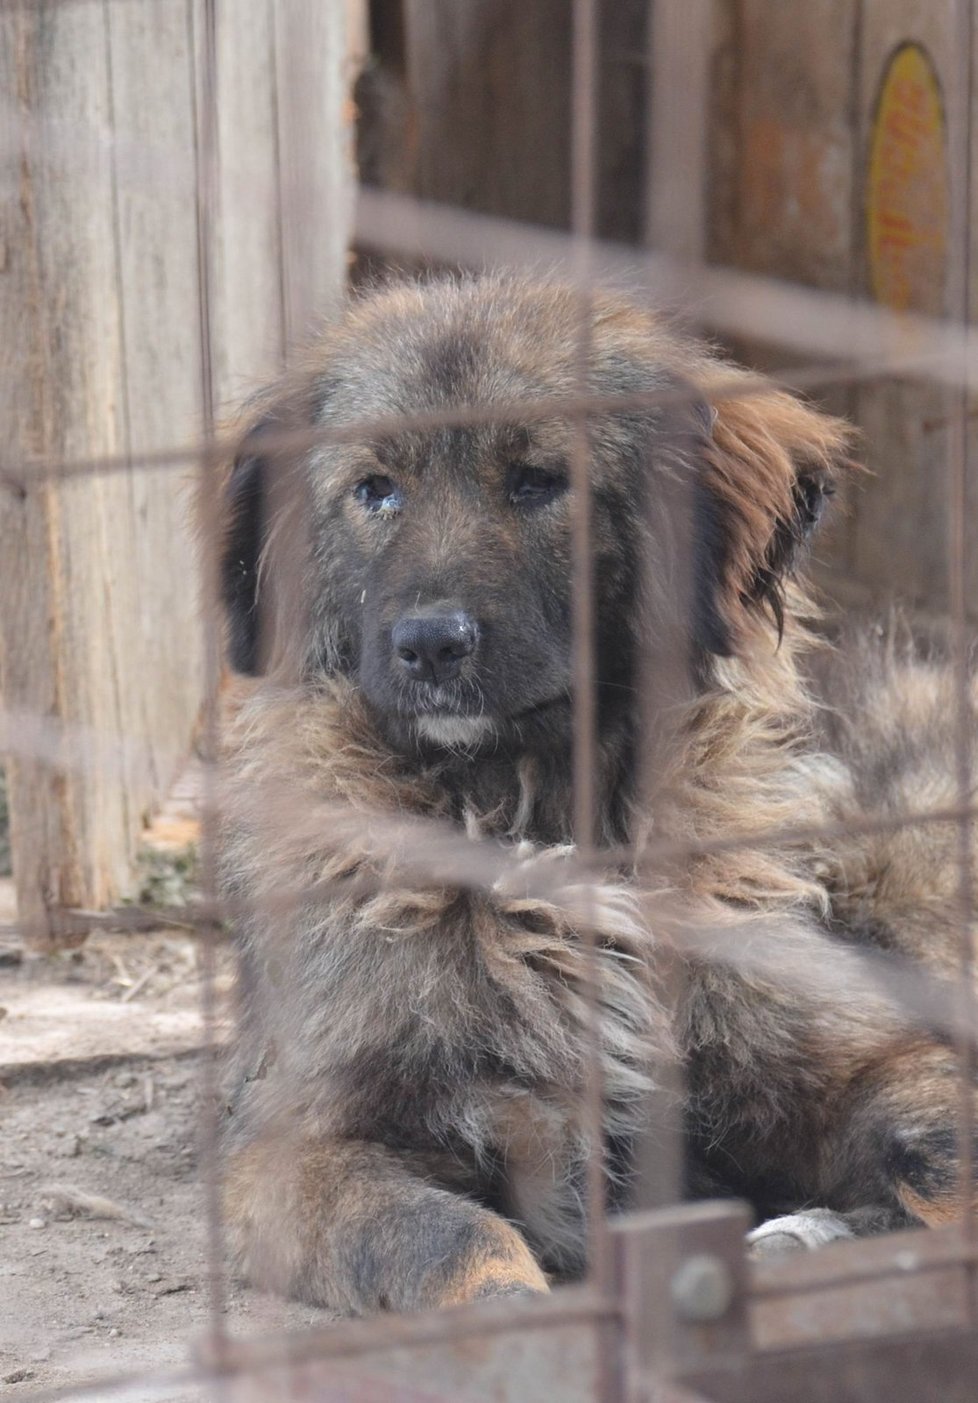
[682, 1282]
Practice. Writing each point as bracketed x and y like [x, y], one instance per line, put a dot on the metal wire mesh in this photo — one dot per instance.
[815, 325]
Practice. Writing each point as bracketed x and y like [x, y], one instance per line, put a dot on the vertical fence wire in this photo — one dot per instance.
[677, 39]
[206, 193]
[584, 80]
[957, 400]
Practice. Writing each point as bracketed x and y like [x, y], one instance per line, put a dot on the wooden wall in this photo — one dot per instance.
[479, 101]
[793, 132]
[100, 640]
[469, 102]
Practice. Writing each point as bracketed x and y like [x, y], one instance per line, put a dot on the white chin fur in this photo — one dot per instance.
[454, 730]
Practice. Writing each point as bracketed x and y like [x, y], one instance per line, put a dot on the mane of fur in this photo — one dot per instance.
[741, 768]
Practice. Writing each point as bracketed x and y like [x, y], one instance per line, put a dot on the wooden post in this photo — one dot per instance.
[100, 658]
[62, 337]
[315, 137]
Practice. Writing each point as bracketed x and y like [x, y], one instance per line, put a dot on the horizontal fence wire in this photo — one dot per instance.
[877, 341]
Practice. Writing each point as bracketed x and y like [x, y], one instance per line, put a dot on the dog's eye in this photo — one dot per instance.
[534, 487]
[378, 494]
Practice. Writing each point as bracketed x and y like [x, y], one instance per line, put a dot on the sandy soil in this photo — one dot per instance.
[100, 1093]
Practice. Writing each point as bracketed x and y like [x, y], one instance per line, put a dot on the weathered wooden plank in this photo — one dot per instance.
[521, 1365]
[794, 127]
[248, 317]
[623, 105]
[99, 636]
[470, 104]
[491, 91]
[681, 44]
[62, 372]
[318, 50]
[926, 1366]
[783, 162]
[156, 585]
[971, 557]
[900, 529]
[795, 144]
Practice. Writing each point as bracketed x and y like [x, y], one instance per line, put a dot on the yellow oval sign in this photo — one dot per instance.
[907, 196]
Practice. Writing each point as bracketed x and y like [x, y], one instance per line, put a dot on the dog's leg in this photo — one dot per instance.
[357, 1227]
[900, 1129]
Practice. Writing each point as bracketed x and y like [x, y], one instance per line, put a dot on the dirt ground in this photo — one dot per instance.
[100, 1094]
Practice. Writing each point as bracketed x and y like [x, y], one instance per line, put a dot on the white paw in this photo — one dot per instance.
[813, 1227]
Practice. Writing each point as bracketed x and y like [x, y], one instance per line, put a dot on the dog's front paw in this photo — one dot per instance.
[500, 1264]
[798, 1232]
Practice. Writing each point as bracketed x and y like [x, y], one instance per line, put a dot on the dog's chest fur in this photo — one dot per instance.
[429, 1018]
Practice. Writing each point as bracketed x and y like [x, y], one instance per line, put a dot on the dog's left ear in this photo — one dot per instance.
[245, 524]
[770, 465]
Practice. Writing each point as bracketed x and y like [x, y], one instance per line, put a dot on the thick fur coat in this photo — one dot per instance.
[405, 1109]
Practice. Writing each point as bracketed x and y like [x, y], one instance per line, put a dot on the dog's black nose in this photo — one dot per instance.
[431, 647]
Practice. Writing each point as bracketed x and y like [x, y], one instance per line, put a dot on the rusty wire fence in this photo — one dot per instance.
[671, 1308]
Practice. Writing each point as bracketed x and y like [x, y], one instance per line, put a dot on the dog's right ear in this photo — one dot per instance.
[768, 471]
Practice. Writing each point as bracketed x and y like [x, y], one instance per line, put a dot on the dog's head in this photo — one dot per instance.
[436, 556]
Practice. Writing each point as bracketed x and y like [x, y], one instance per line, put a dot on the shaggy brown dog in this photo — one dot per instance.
[405, 1124]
